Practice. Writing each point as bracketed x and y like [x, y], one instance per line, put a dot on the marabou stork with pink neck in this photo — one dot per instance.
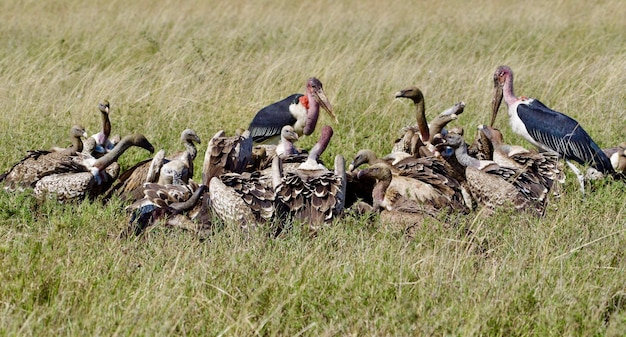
[547, 129]
[299, 111]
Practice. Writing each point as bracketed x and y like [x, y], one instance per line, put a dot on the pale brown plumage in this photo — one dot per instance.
[179, 168]
[496, 186]
[395, 210]
[244, 199]
[310, 192]
[263, 154]
[544, 165]
[130, 183]
[91, 179]
[40, 163]
[424, 180]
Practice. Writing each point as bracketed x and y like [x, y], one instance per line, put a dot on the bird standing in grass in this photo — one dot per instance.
[40, 163]
[547, 129]
[299, 111]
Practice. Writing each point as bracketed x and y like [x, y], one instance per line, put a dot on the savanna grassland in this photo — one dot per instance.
[210, 65]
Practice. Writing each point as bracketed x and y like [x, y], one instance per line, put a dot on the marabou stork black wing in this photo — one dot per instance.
[563, 135]
[269, 121]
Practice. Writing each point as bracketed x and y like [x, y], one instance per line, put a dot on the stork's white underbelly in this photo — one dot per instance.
[299, 112]
[519, 127]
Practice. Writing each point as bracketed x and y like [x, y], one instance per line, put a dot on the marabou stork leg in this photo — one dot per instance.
[579, 175]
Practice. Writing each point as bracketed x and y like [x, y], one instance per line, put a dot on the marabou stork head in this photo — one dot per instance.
[499, 78]
[314, 87]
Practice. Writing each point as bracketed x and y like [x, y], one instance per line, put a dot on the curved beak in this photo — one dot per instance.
[322, 100]
[293, 136]
[497, 99]
[484, 129]
[356, 162]
[362, 173]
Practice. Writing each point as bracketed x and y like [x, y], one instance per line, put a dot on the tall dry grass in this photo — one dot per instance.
[169, 65]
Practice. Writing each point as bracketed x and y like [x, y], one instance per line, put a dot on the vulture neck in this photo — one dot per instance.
[378, 193]
[106, 125]
[112, 156]
[420, 115]
[191, 202]
[77, 146]
[464, 158]
[192, 152]
[191, 149]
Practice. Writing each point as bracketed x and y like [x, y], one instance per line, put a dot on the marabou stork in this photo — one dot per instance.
[297, 110]
[547, 129]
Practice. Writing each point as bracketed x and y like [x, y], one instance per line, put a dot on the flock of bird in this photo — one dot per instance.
[258, 177]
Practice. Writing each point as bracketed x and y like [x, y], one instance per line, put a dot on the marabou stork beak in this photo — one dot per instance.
[322, 100]
[497, 98]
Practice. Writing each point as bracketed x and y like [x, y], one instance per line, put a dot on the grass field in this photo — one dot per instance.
[210, 65]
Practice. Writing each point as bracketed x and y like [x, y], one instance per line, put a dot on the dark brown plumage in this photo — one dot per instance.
[226, 154]
[313, 194]
[169, 203]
